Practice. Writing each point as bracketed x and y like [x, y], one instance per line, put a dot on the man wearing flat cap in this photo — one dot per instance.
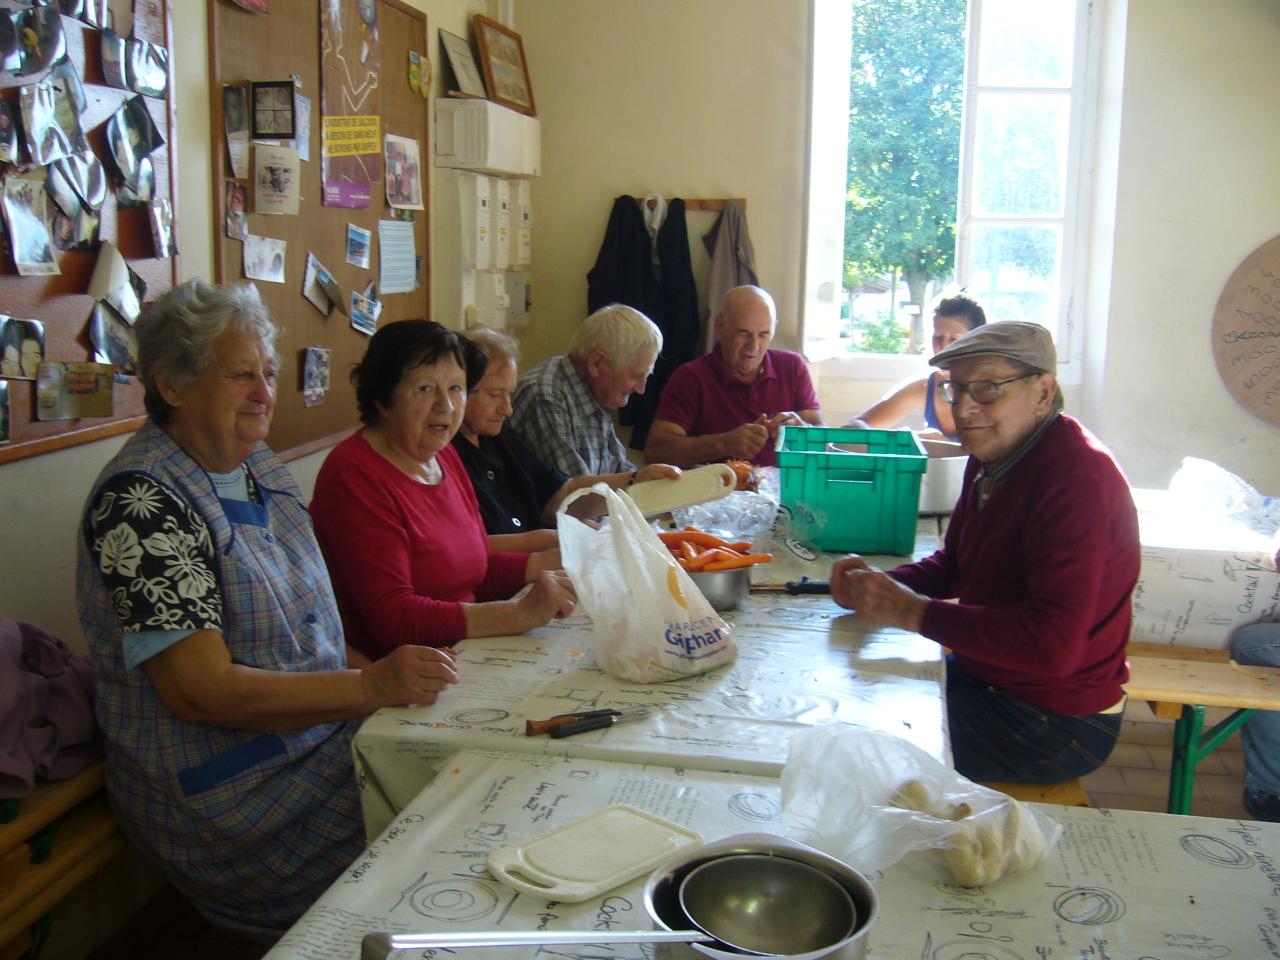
[1041, 557]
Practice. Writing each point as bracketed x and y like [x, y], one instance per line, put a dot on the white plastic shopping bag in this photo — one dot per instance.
[650, 622]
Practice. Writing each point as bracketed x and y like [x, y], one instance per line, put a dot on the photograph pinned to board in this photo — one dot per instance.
[78, 232]
[237, 219]
[397, 271]
[358, 242]
[319, 287]
[113, 340]
[67, 391]
[276, 179]
[38, 41]
[42, 118]
[131, 137]
[68, 88]
[235, 123]
[264, 258]
[143, 188]
[26, 218]
[365, 309]
[466, 75]
[113, 59]
[315, 375]
[144, 135]
[4, 411]
[87, 176]
[60, 191]
[21, 348]
[115, 283]
[403, 173]
[506, 72]
[146, 67]
[9, 151]
[91, 12]
[160, 213]
[272, 110]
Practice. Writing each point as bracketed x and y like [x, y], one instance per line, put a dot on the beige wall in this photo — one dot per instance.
[702, 99]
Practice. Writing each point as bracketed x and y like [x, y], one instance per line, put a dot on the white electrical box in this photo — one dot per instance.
[522, 223]
[483, 136]
[475, 216]
[501, 224]
[519, 297]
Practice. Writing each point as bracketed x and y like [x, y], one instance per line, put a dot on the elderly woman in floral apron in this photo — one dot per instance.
[224, 687]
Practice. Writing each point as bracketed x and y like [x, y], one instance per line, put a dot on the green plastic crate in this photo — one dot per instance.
[848, 501]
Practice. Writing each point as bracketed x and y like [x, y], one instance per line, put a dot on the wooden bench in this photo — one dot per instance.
[61, 835]
[1179, 683]
[1069, 794]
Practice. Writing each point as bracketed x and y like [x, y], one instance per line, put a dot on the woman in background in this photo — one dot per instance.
[397, 518]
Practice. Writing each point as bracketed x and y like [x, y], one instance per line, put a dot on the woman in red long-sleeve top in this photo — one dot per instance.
[397, 518]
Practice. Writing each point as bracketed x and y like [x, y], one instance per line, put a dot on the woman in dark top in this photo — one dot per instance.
[518, 492]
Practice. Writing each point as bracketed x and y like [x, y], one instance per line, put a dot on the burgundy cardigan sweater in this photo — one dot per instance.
[1043, 576]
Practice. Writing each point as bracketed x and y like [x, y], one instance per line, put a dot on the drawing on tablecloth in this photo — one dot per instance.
[1089, 906]
[1216, 852]
[584, 776]
[478, 716]
[485, 831]
[758, 807]
[972, 950]
[453, 900]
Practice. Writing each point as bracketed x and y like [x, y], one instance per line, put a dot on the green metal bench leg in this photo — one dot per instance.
[1189, 748]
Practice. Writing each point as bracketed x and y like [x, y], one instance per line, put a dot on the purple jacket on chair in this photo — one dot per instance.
[47, 727]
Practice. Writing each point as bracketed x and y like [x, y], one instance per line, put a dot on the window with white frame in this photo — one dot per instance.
[1019, 200]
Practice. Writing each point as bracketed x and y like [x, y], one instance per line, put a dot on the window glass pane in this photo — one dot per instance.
[1020, 154]
[1014, 272]
[1026, 44]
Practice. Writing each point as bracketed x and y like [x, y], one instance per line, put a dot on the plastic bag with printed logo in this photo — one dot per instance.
[650, 622]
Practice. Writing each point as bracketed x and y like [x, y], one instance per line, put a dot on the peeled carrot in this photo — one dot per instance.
[687, 550]
[707, 557]
[749, 560]
[695, 536]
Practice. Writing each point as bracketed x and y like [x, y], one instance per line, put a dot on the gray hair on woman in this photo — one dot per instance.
[619, 331]
[177, 335]
[498, 347]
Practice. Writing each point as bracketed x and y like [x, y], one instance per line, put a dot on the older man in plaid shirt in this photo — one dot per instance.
[564, 406]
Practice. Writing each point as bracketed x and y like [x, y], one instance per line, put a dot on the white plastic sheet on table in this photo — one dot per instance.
[1120, 883]
[801, 661]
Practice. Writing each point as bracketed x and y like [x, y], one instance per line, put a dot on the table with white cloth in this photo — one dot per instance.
[1120, 884]
[802, 661]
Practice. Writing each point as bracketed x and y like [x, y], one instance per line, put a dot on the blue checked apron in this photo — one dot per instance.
[250, 826]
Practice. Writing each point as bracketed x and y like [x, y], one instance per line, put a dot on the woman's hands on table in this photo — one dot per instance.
[874, 595]
[409, 674]
[552, 597]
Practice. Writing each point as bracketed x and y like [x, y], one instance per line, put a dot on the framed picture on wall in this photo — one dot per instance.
[506, 73]
[466, 75]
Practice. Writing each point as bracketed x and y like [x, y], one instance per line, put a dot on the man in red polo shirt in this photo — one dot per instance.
[728, 404]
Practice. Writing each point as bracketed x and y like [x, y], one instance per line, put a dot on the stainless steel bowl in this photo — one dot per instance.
[767, 904]
[662, 896]
[724, 589]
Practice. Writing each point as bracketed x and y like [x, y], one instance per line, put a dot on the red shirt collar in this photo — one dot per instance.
[726, 378]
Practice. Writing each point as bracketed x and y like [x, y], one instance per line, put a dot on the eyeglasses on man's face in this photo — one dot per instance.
[982, 391]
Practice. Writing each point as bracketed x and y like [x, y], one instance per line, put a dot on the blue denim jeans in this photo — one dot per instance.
[1258, 645]
[998, 737]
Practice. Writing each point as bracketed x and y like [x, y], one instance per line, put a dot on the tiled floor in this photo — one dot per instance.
[1136, 777]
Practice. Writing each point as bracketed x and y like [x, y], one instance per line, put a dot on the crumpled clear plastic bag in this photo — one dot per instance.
[742, 515]
[872, 799]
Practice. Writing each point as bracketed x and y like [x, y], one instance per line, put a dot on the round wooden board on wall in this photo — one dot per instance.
[1246, 333]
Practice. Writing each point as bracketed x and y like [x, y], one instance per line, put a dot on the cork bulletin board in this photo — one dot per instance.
[288, 43]
[61, 302]
[1246, 333]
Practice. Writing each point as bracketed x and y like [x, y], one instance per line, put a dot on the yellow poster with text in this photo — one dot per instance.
[350, 136]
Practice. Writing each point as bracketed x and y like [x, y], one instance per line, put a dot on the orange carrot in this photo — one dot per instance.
[748, 560]
[687, 550]
[706, 557]
[694, 536]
